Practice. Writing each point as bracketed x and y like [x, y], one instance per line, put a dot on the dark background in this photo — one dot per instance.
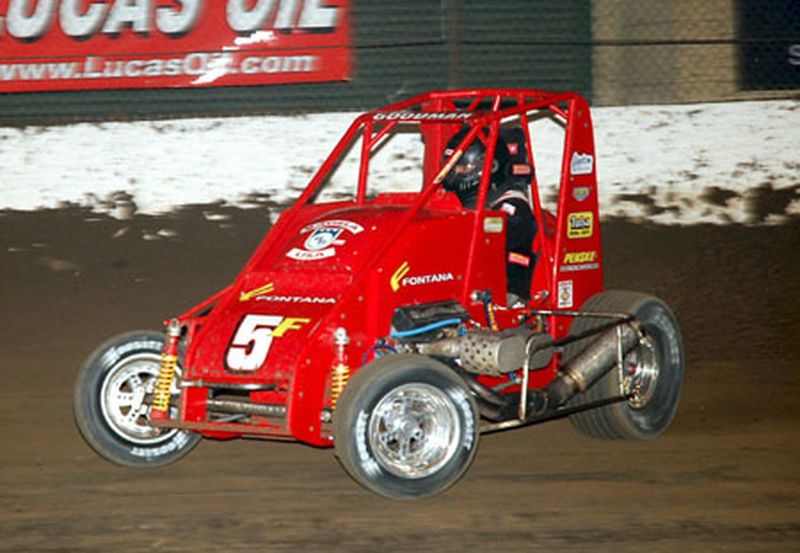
[767, 30]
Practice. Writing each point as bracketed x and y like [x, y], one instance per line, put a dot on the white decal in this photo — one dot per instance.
[581, 164]
[399, 278]
[565, 294]
[579, 267]
[322, 237]
[349, 226]
[297, 299]
[493, 225]
[459, 397]
[304, 255]
[180, 440]
[253, 339]
[417, 115]
[434, 278]
[367, 462]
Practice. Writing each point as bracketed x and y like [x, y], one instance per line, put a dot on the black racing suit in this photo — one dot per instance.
[512, 199]
[520, 259]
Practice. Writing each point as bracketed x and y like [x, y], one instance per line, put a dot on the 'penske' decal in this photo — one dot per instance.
[579, 261]
[580, 257]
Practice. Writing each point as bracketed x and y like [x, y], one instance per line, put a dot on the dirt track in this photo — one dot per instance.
[725, 478]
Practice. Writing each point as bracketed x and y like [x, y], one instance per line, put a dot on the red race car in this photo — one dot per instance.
[398, 326]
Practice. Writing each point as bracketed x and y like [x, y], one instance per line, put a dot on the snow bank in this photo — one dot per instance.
[718, 163]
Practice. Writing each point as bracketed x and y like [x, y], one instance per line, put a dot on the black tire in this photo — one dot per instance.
[655, 366]
[110, 409]
[408, 404]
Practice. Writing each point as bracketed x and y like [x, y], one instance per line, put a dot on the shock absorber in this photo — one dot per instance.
[159, 409]
[341, 369]
[488, 307]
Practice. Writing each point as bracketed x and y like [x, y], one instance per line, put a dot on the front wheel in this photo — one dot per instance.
[112, 403]
[406, 427]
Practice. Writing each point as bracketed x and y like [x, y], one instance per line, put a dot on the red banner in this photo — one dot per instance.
[100, 44]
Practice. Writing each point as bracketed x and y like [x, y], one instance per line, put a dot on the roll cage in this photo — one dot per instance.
[440, 114]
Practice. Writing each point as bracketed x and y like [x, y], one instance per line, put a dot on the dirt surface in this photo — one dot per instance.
[726, 477]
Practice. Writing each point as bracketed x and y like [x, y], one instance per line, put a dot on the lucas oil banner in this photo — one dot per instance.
[101, 44]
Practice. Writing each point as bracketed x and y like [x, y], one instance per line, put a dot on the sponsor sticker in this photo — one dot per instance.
[580, 193]
[103, 44]
[421, 116]
[581, 164]
[297, 299]
[322, 237]
[580, 257]
[264, 293]
[565, 294]
[304, 255]
[579, 267]
[255, 292]
[253, 339]
[580, 224]
[401, 278]
[493, 225]
[519, 259]
[520, 169]
[579, 261]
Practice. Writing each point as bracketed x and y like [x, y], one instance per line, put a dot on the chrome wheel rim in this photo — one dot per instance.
[414, 430]
[124, 399]
[640, 374]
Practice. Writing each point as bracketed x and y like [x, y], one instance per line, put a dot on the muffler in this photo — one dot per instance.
[494, 353]
[586, 368]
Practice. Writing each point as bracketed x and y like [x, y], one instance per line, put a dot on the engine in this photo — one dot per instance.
[435, 330]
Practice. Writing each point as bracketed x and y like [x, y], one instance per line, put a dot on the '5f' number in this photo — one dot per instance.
[253, 339]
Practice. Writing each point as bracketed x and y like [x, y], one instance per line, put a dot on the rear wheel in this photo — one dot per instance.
[652, 372]
[406, 427]
[112, 408]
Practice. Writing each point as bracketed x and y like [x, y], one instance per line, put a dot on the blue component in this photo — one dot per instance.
[379, 347]
[424, 329]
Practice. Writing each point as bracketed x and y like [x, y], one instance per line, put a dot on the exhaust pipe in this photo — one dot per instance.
[586, 368]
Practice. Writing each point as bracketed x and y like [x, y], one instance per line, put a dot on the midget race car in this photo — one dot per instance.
[375, 316]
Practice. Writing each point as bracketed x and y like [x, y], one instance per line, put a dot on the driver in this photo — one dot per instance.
[507, 194]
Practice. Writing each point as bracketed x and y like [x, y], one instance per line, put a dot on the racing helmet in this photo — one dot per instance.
[465, 176]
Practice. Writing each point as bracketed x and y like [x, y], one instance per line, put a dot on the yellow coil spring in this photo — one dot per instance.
[166, 375]
[492, 317]
[341, 374]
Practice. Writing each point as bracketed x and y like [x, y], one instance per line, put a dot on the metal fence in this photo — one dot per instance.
[669, 51]
[615, 52]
